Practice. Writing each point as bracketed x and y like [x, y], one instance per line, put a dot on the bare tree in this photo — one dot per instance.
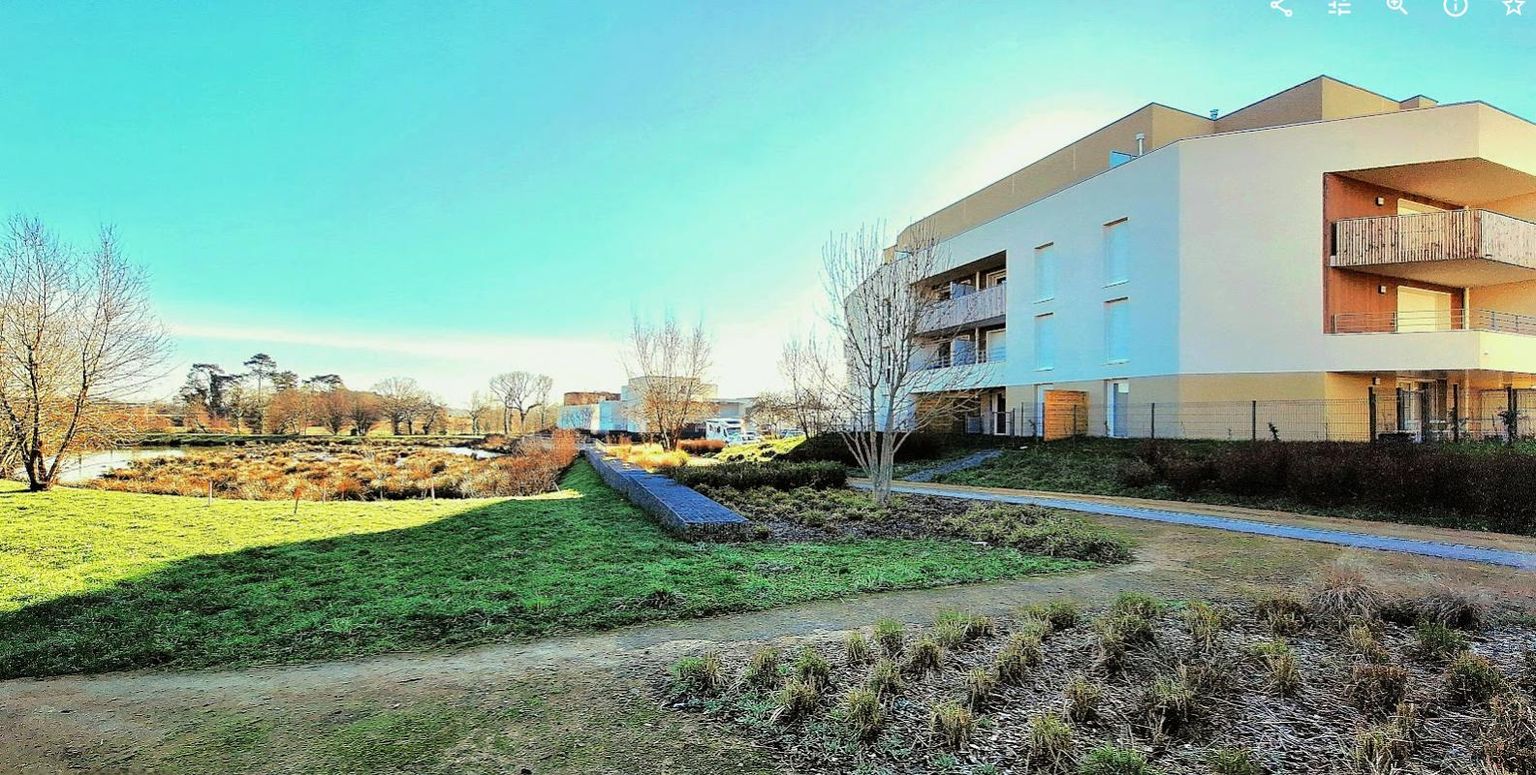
[77, 334]
[811, 400]
[480, 408]
[667, 366]
[401, 400]
[333, 409]
[880, 311]
[519, 392]
[362, 410]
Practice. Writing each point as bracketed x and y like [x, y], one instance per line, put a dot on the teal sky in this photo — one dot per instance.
[449, 190]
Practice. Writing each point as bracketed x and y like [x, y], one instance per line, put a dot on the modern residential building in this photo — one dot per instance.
[602, 413]
[1326, 250]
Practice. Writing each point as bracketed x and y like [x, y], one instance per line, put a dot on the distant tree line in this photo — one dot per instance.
[264, 399]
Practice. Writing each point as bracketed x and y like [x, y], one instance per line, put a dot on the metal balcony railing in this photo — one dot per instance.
[994, 355]
[966, 309]
[1449, 320]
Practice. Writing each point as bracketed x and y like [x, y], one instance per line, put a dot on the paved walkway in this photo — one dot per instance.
[969, 461]
[1364, 536]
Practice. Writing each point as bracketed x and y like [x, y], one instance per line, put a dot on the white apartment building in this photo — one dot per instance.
[1319, 247]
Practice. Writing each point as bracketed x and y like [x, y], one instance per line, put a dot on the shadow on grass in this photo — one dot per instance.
[507, 569]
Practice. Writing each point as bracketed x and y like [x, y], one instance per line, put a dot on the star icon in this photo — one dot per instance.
[1512, 7]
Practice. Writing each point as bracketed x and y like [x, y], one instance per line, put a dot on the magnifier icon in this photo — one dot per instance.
[1397, 5]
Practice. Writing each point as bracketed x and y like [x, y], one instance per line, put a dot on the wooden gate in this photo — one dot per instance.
[1065, 414]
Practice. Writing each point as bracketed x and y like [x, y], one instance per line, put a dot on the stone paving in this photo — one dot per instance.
[969, 461]
[679, 509]
[1172, 514]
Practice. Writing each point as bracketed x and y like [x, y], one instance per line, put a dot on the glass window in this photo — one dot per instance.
[1045, 272]
[1045, 341]
[1117, 257]
[1117, 330]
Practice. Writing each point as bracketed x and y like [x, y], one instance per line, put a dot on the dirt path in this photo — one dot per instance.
[578, 704]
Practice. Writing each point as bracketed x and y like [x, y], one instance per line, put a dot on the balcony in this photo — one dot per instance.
[968, 370]
[969, 358]
[1425, 321]
[1462, 248]
[975, 308]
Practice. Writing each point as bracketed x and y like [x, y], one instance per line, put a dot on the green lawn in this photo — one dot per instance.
[93, 580]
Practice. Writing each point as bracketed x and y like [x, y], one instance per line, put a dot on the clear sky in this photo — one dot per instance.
[449, 190]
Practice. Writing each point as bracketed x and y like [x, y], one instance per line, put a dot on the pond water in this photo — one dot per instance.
[82, 468]
[478, 454]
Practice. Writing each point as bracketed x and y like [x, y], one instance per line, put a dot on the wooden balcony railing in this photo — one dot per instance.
[1455, 235]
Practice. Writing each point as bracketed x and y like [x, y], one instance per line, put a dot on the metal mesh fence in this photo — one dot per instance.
[1407, 415]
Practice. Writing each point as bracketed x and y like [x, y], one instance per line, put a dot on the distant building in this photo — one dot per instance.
[599, 412]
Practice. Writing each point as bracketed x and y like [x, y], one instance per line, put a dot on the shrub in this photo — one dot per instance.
[831, 447]
[1083, 698]
[890, 635]
[1059, 614]
[856, 649]
[762, 670]
[980, 685]
[1234, 761]
[1136, 473]
[926, 656]
[701, 446]
[812, 668]
[779, 476]
[1473, 680]
[1437, 642]
[1451, 607]
[1509, 739]
[1342, 595]
[885, 679]
[1188, 477]
[1376, 689]
[952, 723]
[1050, 743]
[1254, 468]
[698, 676]
[1113, 760]
[863, 713]
[796, 700]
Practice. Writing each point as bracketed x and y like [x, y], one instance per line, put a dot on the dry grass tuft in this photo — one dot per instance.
[1436, 642]
[1050, 744]
[699, 676]
[1509, 739]
[856, 649]
[1234, 761]
[927, 656]
[1058, 615]
[890, 635]
[1473, 680]
[863, 713]
[1342, 595]
[1452, 607]
[796, 700]
[1018, 656]
[1083, 698]
[1283, 614]
[762, 671]
[1376, 689]
[952, 723]
[1204, 622]
[885, 679]
[980, 686]
[812, 668]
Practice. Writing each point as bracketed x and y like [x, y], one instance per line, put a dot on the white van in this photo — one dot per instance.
[727, 429]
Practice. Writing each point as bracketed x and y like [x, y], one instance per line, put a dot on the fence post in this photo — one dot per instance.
[1513, 406]
[1424, 415]
[1154, 419]
[1455, 414]
[1370, 400]
[1253, 421]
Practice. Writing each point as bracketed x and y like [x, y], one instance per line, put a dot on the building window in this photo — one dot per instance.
[1117, 258]
[995, 278]
[1117, 330]
[1045, 341]
[1045, 272]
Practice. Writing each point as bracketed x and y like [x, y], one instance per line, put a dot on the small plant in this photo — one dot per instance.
[1361, 642]
[1283, 614]
[796, 700]
[1234, 761]
[813, 668]
[1058, 614]
[1049, 742]
[949, 634]
[1113, 760]
[1017, 657]
[891, 636]
[1204, 623]
[1452, 607]
[698, 676]
[1110, 650]
[952, 723]
[980, 685]
[1283, 676]
[1138, 604]
[1376, 689]
[1083, 698]
[1169, 706]
[978, 626]
[1380, 750]
[885, 679]
[1436, 642]
[863, 713]
[1473, 680]
[1509, 739]
[762, 670]
[856, 649]
[927, 656]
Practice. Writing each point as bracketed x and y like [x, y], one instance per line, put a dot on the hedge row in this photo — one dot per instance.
[778, 475]
[1489, 490]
